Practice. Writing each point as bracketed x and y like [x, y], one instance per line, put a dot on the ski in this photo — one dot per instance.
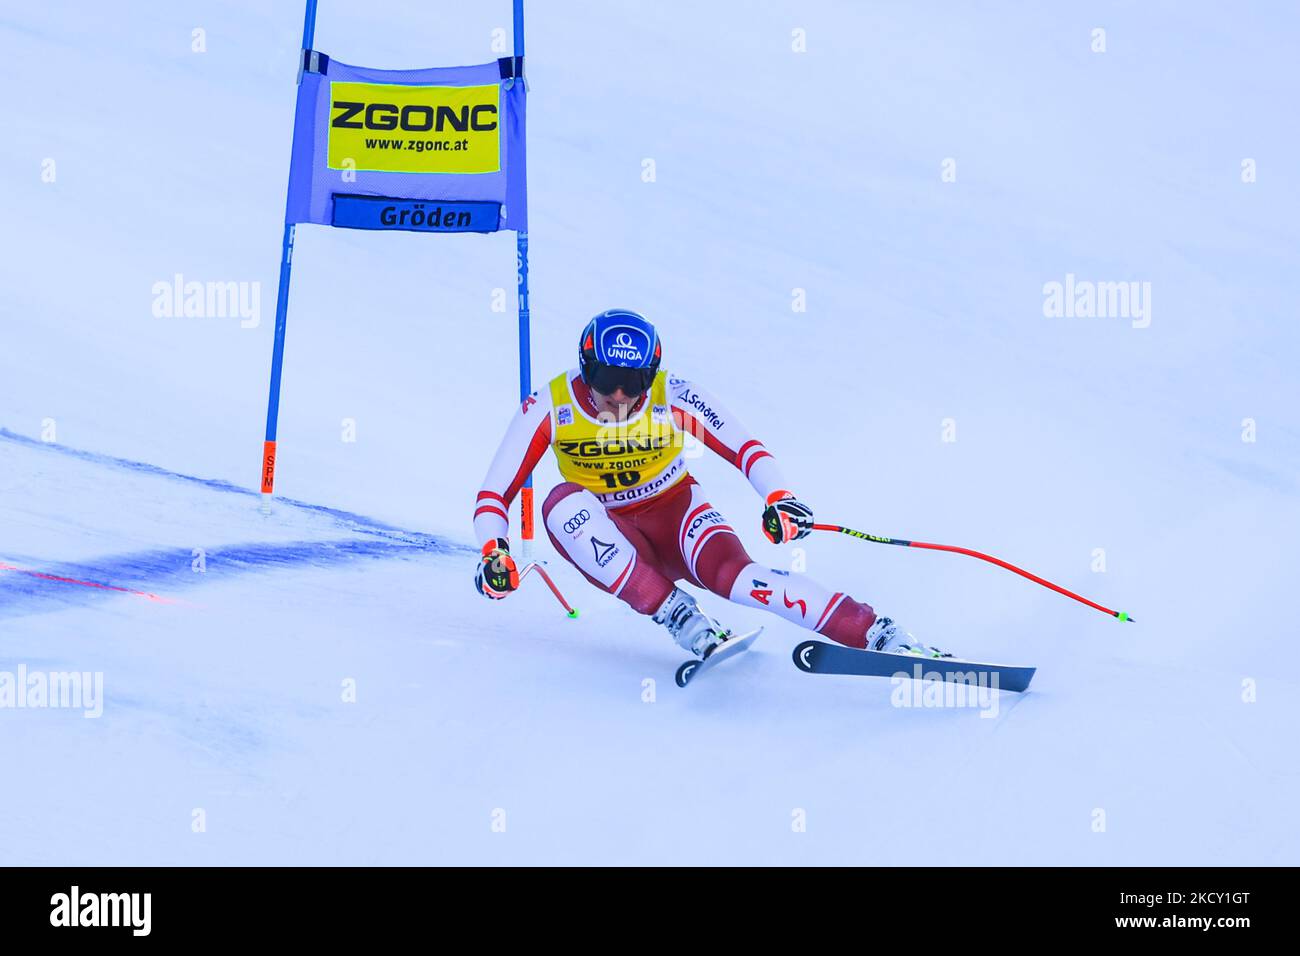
[819, 657]
[729, 648]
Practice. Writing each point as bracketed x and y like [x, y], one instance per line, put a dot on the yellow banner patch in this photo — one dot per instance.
[389, 128]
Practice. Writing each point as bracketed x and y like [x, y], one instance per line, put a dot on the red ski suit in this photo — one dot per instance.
[633, 520]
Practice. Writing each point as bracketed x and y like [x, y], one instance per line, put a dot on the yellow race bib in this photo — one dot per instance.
[620, 462]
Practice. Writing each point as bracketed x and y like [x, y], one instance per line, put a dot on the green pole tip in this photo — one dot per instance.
[573, 613]
[1123, 616]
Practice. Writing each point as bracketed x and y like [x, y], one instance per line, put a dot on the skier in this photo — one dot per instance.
[631, 518]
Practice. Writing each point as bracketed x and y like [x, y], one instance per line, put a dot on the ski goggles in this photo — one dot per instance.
[606, 378]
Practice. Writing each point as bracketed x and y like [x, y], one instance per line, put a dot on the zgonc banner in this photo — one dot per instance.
[433, 150]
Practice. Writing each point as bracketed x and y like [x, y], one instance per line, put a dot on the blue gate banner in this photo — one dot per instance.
[439, 150]
[415, 215]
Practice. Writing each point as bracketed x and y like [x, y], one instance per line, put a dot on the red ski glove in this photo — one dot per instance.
[497, 573]
[786, 518]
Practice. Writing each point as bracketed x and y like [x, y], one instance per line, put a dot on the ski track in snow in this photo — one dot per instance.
[36, 583]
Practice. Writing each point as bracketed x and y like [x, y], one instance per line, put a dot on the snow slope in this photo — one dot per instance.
[129, 443]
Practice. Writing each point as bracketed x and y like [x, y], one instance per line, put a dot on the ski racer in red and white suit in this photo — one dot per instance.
[635, 526]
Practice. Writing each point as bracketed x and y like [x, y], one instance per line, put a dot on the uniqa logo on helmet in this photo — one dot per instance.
[620, 346]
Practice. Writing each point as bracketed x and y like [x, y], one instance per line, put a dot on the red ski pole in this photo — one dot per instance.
[535, 566]
[880, 539]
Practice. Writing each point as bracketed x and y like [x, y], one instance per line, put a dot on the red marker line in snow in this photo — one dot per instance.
[85, 584]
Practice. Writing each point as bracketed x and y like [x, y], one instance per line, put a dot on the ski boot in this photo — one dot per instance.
[885, 635]
[690, 627]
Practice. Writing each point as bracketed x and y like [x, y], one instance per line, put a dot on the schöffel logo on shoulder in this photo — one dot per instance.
[706, 411]
[624, 343]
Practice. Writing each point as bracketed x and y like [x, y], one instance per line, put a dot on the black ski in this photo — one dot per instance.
[819, 657]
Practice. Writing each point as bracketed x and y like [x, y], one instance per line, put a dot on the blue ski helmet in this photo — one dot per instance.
[619, 348]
